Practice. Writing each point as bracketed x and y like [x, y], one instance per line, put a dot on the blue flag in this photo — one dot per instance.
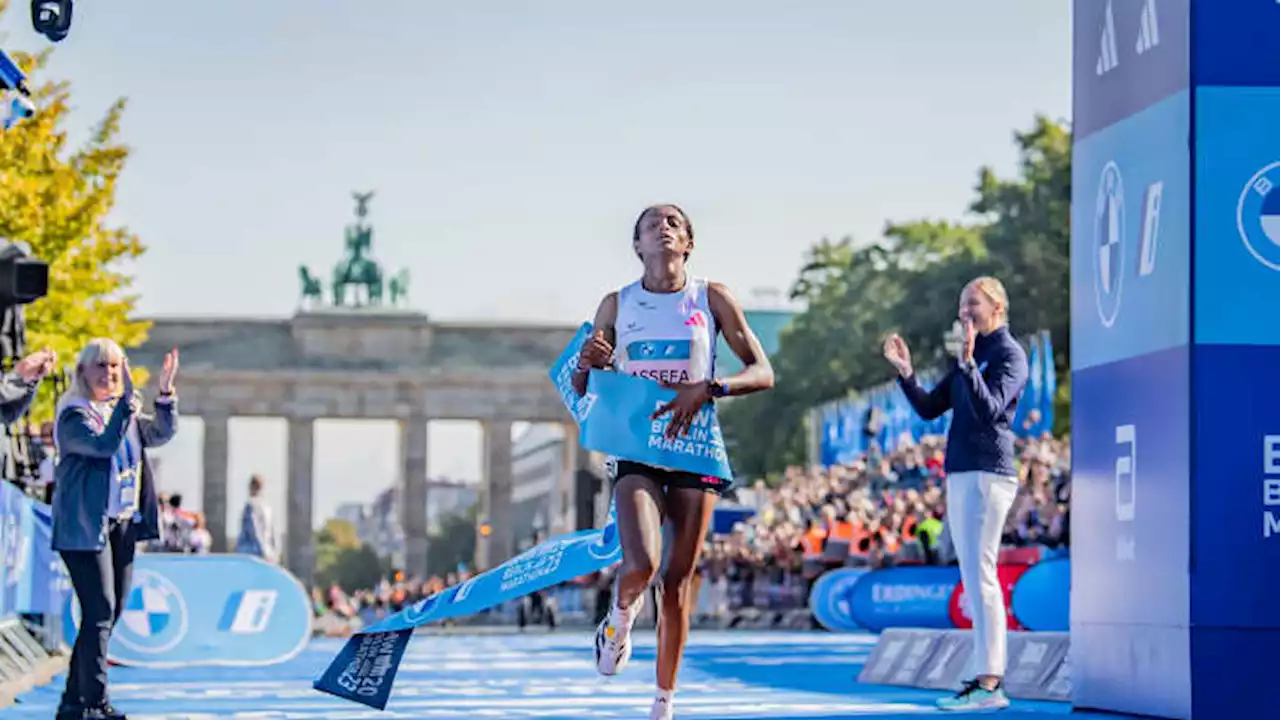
[1050, 386]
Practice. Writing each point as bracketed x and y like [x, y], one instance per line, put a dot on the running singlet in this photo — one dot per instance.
[666, 337]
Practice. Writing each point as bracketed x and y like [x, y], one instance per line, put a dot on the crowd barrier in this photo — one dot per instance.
[854, 599]
[32, 583]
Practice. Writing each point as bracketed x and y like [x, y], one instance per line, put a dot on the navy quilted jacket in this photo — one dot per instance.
[983, 395]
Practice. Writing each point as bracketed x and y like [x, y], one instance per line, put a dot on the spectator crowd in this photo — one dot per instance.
[882, 510]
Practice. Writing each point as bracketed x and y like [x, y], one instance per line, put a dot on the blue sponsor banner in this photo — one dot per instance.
[1131, 500]
[207, 610]
[904, 597]
[1130, 477]
[1235, 42]
[1236, 516]
[32, 577]
[15, 548]
[365, 669]
[1130, 237]
[830, 599]
[1042, 597]
[50, 583]
[1237, 251]
[1128, 55]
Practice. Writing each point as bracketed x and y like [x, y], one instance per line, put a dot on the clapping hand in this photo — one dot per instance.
[169, 372]
[129, 393]
[953, 341]
[896, 352]
[36, 365]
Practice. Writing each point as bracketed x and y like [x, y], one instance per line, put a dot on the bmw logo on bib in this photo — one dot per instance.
[1258, 216]
[1108, 244]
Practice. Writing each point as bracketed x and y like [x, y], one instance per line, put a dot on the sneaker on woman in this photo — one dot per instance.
[613, 638]
[662, 710]
[975, 697]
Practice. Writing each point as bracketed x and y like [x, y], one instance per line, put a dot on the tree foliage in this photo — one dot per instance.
[455, 543]
[56, 198]
[909, 283]
[341, 558]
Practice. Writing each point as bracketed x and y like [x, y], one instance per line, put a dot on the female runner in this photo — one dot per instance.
[983, 387]
[664, 328]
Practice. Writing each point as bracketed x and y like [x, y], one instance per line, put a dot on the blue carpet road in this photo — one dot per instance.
[791, 675]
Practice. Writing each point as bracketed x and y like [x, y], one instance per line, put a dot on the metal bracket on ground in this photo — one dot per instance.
[938, 660]
[24, 663]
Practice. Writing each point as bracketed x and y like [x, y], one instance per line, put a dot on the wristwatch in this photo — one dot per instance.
[717, 389]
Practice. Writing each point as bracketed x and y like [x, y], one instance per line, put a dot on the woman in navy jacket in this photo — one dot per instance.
[982, 387]
[104, 504]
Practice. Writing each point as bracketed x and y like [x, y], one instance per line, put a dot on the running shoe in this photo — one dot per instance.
[662, 710]
[613, 638]
[975, 697]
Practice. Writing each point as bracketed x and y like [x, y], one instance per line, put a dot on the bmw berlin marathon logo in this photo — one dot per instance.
[1258, 216]
[1108, 244]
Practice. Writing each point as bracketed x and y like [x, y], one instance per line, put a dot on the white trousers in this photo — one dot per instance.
[977, 505]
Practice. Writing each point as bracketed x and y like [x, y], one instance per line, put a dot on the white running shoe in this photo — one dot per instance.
[613, 638]
[662, 710]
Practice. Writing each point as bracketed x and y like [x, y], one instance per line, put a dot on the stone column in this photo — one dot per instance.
[565, 502]
[299, 548]
[413, 494]
[497, 496]
[214, 491]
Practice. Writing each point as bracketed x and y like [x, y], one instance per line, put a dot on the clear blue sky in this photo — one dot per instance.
[512, 144]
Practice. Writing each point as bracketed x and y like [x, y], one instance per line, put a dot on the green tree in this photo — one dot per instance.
[341, 558]
[56, 198]
[908, 283]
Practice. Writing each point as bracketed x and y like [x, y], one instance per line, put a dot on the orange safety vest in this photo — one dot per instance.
[811, 543]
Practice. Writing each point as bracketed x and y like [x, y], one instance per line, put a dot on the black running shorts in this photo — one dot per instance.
[672, 478]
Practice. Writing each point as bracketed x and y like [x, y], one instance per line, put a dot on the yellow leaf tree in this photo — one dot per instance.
[56, 199]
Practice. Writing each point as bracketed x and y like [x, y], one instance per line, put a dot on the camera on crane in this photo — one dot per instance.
[23, 280]
[51, 18]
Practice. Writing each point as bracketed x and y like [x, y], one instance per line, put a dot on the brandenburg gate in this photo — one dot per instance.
[368, 361]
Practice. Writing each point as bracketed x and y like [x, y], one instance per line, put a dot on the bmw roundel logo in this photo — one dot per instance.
[1108, 244]
[154, 619]
[1258, 216]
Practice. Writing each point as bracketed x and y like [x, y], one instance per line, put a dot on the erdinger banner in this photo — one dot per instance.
[904, 597]
[961, 608]
[614, 418]
[206, 610]
[366, 667]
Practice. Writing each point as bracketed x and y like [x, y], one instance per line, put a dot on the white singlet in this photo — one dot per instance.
[667, 337]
